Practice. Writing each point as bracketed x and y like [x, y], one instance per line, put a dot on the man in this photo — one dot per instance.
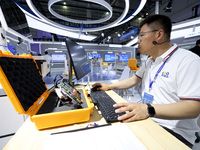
[196, 49]
[170, 82]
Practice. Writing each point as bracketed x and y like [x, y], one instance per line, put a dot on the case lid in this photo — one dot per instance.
[21, 80]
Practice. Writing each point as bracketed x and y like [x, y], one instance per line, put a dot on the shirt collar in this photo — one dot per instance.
[166, 54]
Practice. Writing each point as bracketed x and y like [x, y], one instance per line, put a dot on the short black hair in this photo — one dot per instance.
[197, 42]
[157, 22]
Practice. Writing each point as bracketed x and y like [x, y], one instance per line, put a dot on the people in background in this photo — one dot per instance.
[196, 49]
[46, 53]
[170, 83]
[95, 61]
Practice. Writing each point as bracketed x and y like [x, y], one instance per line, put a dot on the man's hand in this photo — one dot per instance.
[134, 111]
[102, 86]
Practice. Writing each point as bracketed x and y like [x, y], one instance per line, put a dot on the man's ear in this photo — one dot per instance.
[160, 35]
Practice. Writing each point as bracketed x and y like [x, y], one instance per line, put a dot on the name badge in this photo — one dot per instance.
[148, 98]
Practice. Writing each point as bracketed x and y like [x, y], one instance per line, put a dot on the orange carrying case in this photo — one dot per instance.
[26, 89]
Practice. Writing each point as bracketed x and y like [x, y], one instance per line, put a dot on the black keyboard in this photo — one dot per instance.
[105, 104]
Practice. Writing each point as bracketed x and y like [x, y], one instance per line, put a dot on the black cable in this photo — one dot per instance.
[51, 88]
[56, 80]
[56, 85]
[56, 77]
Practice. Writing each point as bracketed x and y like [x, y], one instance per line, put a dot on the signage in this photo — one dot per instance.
[132, 32]
[192, 34]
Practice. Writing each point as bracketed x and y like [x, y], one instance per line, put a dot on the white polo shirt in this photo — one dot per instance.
[178, 80]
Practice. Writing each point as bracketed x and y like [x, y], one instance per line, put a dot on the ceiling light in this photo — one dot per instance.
[119, 35]
[135, 12]
[168, 8]
[65, 7]
[102, 34]
[122, 19]
[109, 37]
[52, 48]
[187, 23]
[37, 21]
[115, 45]
[100, 2]
[117, 22]
[58, 51]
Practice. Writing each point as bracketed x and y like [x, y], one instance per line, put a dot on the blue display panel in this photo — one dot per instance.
[109, 58]
[12, 49]
[124, 57]
[58, 57]
[92, 55]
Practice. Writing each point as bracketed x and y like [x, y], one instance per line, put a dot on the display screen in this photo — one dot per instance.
[58, 57]
[92, 55]
[78, 58]
[124, 57]
[12, 49]
[109, 58]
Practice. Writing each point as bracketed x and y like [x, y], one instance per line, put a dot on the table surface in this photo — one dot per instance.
[147, 131]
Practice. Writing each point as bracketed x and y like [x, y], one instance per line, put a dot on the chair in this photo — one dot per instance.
[109, 68]
[104, 64]
[132, 63]
[125, 75]
[198, 133]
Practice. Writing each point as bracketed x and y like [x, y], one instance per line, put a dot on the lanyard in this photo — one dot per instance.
[159, 70]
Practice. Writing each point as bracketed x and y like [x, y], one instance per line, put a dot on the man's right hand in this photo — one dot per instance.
[102, 86]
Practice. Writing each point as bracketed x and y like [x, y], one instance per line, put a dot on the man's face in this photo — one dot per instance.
[145, 40]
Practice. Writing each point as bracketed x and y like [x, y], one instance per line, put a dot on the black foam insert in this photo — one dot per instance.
[25, 79]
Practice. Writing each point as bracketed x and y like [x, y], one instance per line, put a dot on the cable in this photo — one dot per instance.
[56, 80]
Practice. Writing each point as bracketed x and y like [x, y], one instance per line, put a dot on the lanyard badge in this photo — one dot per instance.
[147, 98]
[159, 70]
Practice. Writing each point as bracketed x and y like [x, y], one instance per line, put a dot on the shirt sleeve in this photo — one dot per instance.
[141, 71]
[188, 80]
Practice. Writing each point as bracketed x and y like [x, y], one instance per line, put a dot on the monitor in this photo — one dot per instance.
[124, 57]
[109, 58]
[58, 57]
[77, 60]
[92, 55]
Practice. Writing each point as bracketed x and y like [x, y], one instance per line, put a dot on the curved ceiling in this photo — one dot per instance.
[85, 17]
